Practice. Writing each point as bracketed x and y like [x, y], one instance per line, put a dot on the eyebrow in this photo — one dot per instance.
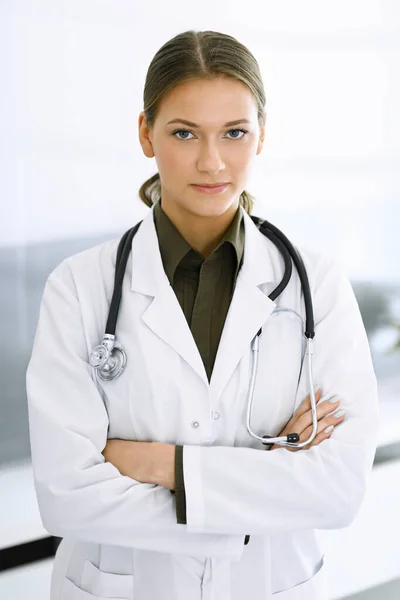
[190, 124]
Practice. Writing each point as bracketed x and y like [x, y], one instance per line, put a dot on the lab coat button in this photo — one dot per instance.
[195, 424]
[216, 414]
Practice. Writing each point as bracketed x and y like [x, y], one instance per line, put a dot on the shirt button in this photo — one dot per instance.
[216, 415]
[195, 424]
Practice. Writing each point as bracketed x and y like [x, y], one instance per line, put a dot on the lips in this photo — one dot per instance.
[211, 185]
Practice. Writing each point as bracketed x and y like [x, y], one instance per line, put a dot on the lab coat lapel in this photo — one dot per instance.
[164, 315]
[249, 309]
[250, 306]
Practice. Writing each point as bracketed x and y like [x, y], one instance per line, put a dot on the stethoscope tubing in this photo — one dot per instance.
[108, 360]
[282, 440]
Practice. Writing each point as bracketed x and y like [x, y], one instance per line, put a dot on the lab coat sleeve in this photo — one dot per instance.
[247, 490]
[180, 496]
[79, 494]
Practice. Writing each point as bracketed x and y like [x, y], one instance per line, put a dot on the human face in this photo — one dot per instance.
[209, 151]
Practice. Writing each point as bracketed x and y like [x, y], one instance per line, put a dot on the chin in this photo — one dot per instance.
[210, 206]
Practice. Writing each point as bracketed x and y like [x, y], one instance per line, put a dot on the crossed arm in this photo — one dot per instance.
[70, 480]
[147, 462]
[154, 462]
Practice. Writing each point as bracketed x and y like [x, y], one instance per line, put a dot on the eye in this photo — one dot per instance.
[244, 131]
[180, 131]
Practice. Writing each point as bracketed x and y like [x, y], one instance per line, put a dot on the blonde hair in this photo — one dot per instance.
[198, 55]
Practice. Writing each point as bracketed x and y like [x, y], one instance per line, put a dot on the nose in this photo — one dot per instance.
[210, 158]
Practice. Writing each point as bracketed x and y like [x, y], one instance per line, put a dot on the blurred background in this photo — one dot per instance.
[72, 76]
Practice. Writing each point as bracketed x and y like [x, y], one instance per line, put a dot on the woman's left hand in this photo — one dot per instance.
[301, 422]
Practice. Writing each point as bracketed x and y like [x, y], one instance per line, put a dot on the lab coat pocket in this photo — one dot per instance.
[97, 585]
[314, 588]
[70, 591]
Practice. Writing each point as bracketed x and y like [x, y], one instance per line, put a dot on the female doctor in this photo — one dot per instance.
[152, 478]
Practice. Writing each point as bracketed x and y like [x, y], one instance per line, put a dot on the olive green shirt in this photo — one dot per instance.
[204, 289]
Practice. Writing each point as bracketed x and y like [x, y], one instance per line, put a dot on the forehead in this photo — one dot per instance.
[208, 100]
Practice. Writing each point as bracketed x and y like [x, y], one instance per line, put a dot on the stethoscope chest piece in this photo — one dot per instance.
[108, 360]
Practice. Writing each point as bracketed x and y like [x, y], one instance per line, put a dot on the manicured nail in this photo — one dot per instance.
[334, 399]
[316, 388]
[339, 413]
[329, 429]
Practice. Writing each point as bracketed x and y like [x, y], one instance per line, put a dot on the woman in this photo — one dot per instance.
[152, 479]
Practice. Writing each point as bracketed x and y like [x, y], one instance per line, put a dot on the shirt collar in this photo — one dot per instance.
[174, 247]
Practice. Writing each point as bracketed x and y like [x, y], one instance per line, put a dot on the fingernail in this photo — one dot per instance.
[329, 429]
[316, 388]
[339, 413]
[333, 399]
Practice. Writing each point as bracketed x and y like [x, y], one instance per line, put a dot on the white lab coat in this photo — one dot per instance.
[121, 538]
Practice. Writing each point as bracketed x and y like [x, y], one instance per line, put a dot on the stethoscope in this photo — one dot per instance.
[109, 360]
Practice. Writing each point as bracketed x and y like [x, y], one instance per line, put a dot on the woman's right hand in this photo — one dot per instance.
[301, 422]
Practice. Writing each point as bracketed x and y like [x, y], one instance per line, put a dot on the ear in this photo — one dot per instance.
[262, 136]
[145, 136]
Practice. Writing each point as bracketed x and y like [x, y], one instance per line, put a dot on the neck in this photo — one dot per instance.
[202, 233]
